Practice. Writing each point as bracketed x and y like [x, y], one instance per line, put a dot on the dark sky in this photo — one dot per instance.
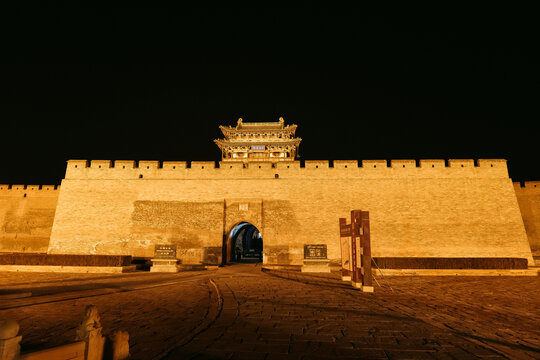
[361, 83]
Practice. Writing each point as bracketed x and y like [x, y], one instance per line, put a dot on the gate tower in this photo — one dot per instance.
[259, 141]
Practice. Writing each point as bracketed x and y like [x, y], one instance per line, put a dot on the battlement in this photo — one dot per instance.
[316, 164]
[426, 164]
[125, 164]
[403, 164]
[29, 190]
[202, 165]
[101, 164]
[527, 187]
[173, 165]
[292, 165]
[346, 164]
[425, 168]
[373, 164]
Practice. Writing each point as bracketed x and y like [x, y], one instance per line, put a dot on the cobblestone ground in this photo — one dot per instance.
[239, 312]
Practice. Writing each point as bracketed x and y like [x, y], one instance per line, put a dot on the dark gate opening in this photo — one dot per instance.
[246, 243]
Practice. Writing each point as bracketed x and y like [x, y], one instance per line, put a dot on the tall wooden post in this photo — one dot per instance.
[345, 234]
[365, 243]
[355, 248]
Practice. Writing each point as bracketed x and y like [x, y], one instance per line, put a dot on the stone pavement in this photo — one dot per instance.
[156, 309]
[241, 312]
[298, 316]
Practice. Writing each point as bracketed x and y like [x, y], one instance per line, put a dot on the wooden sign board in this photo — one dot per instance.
[345, 230]
[165, 252]
[346, 254]
[356, 250]
[345, 242]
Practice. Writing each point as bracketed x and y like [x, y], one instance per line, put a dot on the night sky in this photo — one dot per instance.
[140, 83]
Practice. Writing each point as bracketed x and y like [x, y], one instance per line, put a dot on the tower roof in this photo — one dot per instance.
[262, 127]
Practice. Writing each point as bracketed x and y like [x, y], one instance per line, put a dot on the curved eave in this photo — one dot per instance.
[227, 130]
[222, 142]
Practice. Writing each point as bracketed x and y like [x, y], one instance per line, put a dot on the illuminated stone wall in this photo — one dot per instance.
[433, 209]
[528, 198]
[26, 217]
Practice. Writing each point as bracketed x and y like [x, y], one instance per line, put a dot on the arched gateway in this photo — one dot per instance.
[243, 243]
[429, 209]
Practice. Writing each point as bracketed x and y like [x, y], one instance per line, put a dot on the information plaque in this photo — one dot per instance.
[315, 252]
[165, 252]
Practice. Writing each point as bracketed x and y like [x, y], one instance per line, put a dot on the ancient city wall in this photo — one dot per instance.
[528, 197]
[26, 217]
[429, 209]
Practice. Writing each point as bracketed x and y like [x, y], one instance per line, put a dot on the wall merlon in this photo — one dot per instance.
[400, 164]
[316, 164]
[230, 165]
[432, 163]
[124, 164]
[498, 163]
[100, 164]
[174, 165]
[260, 165]
[78, 164]
[461, 163]
[346, 164]
[374, 164]
[203, 165]
[532, 184]
[148, 164]
[288, 165]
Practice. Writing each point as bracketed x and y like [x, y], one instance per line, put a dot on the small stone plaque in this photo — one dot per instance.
[165, 252]
[243, 207]
[315, 252]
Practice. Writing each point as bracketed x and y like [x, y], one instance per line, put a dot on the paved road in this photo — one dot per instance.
[240, 312]
[156, 309]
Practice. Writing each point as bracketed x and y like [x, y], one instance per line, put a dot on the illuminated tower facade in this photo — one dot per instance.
[259, 141]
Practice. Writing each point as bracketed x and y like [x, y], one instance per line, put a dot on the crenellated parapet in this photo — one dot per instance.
[527, 187]
[29, 190]
[428, 168]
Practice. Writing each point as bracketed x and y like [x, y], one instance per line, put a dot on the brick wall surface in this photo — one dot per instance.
[26, 217]
[528, 198]
[430, 210]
